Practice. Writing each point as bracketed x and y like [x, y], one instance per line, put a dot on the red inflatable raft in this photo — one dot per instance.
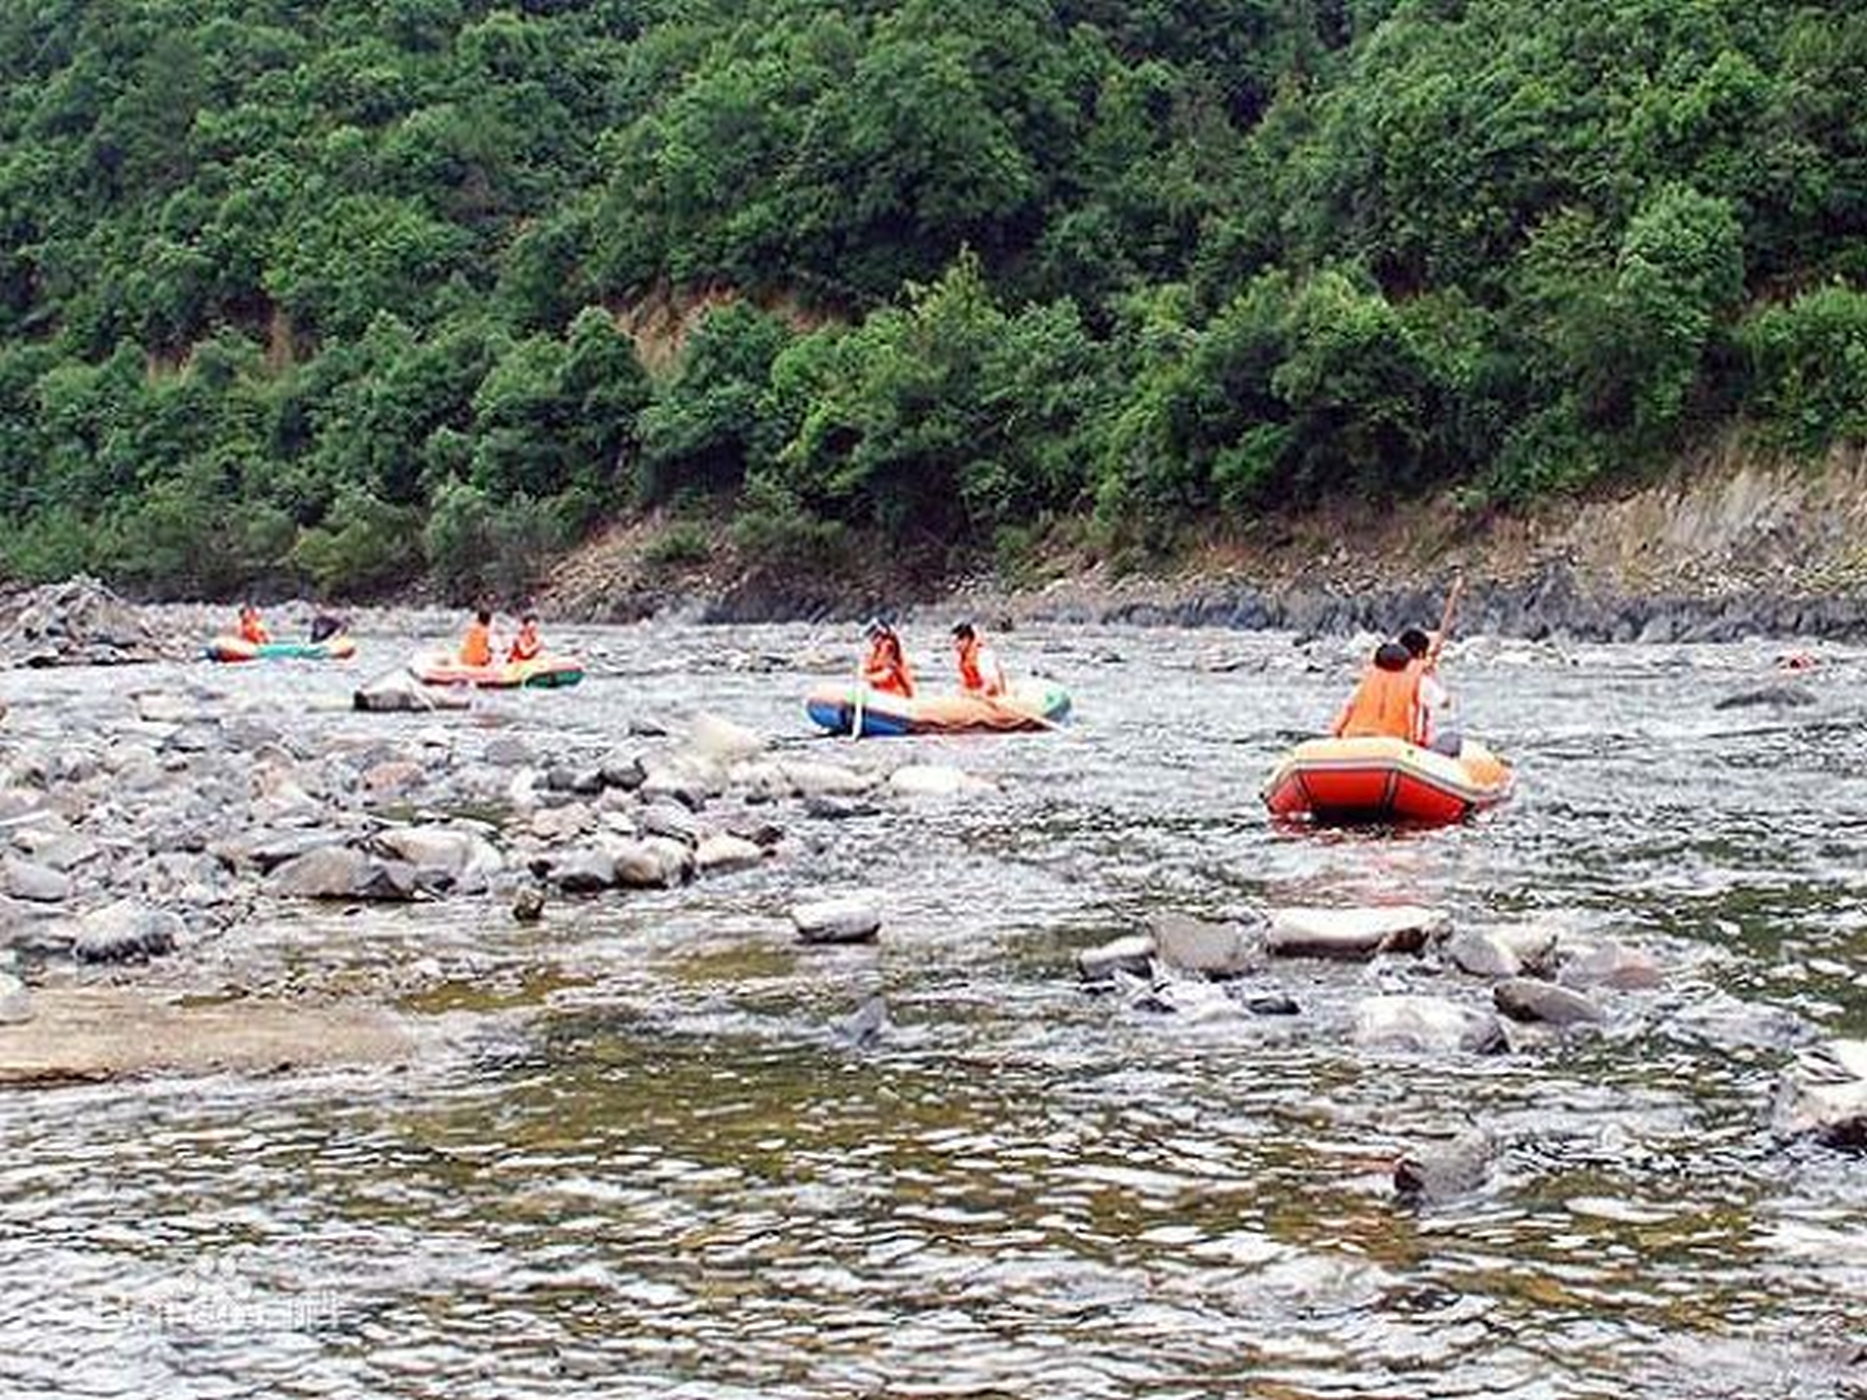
[1385, 780]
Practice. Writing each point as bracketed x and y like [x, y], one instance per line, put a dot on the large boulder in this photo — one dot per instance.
[1426, 1024]
[1199, 945]
[1824, 1095]
[654, 862]
[721, 853]
[75, 623]
[399, 692]
[465, 859]
[585, 870]
[1352, 934]
[340, 872]
[850, 919]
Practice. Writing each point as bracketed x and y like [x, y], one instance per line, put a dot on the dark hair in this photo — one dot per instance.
[1392, 656]
[484, 616]
[529, 617]
[1416, 642]
[963, 629]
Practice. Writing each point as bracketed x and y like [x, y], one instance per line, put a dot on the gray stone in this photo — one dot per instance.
[851, 919]
[867, 1026]
[1427, 1024]
[466, 859]
[338, 872]
[269, 851]
[1439, 1171]
[720, 739]
[15, 1001]
[585, 870]
[1823, 1096]
[812, 779]
[1197, 945]
[1528, 999]
[507, 751]
[1482, 954]
[1777, 695]
[1609, 964]
[935, 780]
[670, 819]
[1272, 1004]
[623, 770]
[1133, 954]
[528, 904]
[126, 930]
[400, 693]
[721, 854]
[655, 862]
[38, 884]
[563, 823]
[1352, 934]
[836, 809]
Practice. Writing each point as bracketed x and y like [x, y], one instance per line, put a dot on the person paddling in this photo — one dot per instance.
[979, 669]
[1386, 702]
[251, 628]
[527, 645]
[1435, 701]
[476, 647]
[885, 668]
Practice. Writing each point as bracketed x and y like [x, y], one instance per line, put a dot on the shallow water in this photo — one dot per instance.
[648, 1165]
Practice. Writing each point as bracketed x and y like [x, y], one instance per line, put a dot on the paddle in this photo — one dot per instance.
[862, 690]
[1447, 614]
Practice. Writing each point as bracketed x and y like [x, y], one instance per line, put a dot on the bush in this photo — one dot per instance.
[1808, 364]
[364, 547]
[477, 548]
[679, 546]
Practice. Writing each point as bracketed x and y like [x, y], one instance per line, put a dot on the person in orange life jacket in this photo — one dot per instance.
[1386, 700]
[476, 647]
[885, 668]
[1436, 729]
[979, 671]
[251, 628]
[527, 646]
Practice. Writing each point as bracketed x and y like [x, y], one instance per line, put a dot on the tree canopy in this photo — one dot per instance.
[334, 294]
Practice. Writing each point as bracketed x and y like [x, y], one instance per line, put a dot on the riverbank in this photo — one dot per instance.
[1732, 545]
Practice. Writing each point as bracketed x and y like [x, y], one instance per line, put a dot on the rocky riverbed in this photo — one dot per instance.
[633, 1036]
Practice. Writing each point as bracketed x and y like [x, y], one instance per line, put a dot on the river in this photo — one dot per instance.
[647, 1164]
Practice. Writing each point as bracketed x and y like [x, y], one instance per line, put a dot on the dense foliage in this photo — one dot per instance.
[334, 293]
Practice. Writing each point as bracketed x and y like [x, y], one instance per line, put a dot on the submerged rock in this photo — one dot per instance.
[1528, 999]
[528, 905]
[1824, 1096]
[15, 1001]
[1133, 954]
[1427, 1024]
[1352, 934]
[1609, 964]
[1197, 945]
[852, 919]
[867, 1026]
[1438, 1171]
[1776, 695]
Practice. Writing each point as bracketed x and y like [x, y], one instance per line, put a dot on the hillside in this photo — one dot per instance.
[348, 294]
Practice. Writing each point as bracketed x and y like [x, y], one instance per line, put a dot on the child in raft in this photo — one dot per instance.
[885, 668]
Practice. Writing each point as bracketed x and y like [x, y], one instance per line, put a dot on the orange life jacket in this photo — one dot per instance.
[1386, 704]
[253, 630]
[971, 676]
[476, 648]
[886, 669]
[526, 646]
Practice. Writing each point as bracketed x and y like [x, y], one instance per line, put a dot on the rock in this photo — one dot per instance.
[394, 776]
[1527, 999]
[400, 693]
[867, 1026]
[1823, 1096]
[563, 823]
[1441, 1170]
[35, 883]
[760, 833]
[852, 919]
[1133, 955]
[1777, 695]
[1196, 945]
[721, 854]
[1535, 946]
[1272, 1004]
[1429, 1024]
[655, 862]
[622, 770]
[837, 809]
[465, 858]
[1352, 933]
[15, 1001]
[585, 870]
[126, 930]
[722, 740]
[688, 781]
[670, 819]
[809, 779]
[338, 872]
[75, 623]
[268, 852]
[1482, 954]
[155, 707]
[1609, 964]
[528, 904]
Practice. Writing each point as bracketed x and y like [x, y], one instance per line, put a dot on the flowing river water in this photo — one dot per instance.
[647, 1164]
